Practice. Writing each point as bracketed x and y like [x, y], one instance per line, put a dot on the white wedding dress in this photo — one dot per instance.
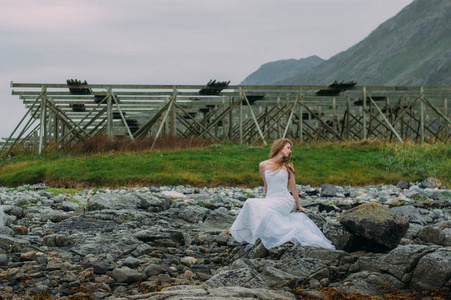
[271, 220]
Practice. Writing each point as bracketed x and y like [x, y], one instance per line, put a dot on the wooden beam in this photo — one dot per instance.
[385, 119]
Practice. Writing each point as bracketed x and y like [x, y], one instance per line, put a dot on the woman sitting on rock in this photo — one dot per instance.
[270, 218]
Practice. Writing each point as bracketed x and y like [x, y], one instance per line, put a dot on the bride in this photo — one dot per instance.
[270, 218]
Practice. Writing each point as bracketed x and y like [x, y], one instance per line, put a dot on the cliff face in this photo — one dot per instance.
[412, 48]
[281, 70]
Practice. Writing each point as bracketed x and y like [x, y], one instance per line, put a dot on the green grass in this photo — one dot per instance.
[231, 164]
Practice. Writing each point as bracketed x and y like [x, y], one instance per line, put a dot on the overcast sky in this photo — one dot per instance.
[169, 41]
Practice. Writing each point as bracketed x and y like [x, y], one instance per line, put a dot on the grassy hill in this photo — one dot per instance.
[232, 164]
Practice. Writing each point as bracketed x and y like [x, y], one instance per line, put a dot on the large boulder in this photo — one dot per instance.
[378, 227]
[402, 260]
[433, 271]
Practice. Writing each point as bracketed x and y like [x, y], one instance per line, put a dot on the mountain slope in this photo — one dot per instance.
[281, 69]
[412, 48]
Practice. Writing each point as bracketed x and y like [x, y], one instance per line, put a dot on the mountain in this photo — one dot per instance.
[281, 69]
[413, 48]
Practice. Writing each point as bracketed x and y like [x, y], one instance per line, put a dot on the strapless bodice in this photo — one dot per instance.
[276, 183]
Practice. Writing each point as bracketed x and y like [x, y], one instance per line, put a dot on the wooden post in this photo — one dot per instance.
[255, 119]
[319, 123]
[240, 120]
[422, 112]
[348, 117]
[231, 118]
[287, 105]
[166, 122]
[173, 130]
[445, 108]
[217, 124]
[164, 118]
[387, 115]
[385, 119]
[364, 121]
[35, 142]
[334, 113]
[401, 110]
[224, 133]
[291, 114]
[301, 122]
[109, 124]
[42, 135]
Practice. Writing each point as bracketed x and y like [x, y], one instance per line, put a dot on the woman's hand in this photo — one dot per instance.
[302, 209]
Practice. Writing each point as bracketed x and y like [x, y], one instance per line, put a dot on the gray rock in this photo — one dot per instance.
[127, 275]
[6, 231]
[12, 210]
[331, 257]
[369, 263]
[47, 213]
[413, 231]
[146, 201]
[218, 220]
[83, 225]
[153, 270]
[403, 185]
[277, 279]
[99, 267]
[430, 234]
[432, 271]
[403, 259]
[410, 213]
[369, 283]
[59, 240]
[161, 236]
[304, 268]
[5, 219]
[119, 216]
[328, 190]
[220, 293]
[245, 277]
[131, 262]
[338, 235]
[436, 195]
[193, 214]
[4, 260]
[376, 223]
[258, 250]
[11, 244]
[70, 206]
[430, 182]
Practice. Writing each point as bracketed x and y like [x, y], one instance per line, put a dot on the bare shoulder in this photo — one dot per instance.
[264, 165]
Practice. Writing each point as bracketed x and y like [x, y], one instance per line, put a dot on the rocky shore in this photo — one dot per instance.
[173, 243]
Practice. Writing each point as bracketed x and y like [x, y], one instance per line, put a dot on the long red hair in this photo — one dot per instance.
[284, 162]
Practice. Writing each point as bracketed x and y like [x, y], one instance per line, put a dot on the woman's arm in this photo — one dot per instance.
[295, 192]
